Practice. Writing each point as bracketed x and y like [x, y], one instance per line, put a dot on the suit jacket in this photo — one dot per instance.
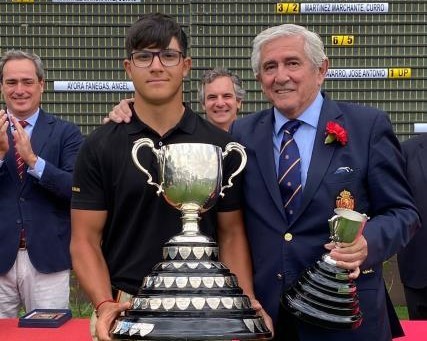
[376, 182]
[412, 259]
[42, 206]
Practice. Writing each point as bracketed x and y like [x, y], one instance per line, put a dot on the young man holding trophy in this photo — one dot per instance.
[119, 223]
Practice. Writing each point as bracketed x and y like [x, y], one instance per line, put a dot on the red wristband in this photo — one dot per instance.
[102, 302]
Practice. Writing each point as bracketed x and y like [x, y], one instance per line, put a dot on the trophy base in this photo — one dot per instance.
[198, 328]
[190, 295]
[324, 296]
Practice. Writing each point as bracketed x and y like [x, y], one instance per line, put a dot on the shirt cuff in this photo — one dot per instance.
[38, 169]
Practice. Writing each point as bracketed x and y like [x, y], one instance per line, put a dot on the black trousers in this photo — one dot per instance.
[416, 300]
[286, 327]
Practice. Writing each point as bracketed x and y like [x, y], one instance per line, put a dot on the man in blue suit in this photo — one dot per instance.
[412, 259]
[359, 167]
[36, 165]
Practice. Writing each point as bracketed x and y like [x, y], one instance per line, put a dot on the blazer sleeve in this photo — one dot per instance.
[395, 218]
[57, 178]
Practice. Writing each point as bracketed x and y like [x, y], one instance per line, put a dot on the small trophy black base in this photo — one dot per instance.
[324, 296]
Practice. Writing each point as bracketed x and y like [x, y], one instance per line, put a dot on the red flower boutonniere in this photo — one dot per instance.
[334, 132]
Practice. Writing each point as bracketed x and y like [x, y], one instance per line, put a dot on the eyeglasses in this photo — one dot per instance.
[145, 58]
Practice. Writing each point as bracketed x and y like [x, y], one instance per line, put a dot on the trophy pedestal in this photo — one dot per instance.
[190, 296]
[326, 297]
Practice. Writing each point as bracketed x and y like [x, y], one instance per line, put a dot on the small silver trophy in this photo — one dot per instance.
[190, 295]
[324, 295]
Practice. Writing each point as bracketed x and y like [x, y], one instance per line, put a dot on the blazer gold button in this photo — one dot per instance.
[288, 236]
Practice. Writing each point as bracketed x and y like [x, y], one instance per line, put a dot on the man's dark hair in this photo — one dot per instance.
[155, 30]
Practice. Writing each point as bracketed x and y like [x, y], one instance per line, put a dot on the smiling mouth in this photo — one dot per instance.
[283, 91]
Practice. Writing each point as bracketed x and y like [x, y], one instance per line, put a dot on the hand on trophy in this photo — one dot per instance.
[106, 314]
[260, 311]
[349, 256]
[349, 247]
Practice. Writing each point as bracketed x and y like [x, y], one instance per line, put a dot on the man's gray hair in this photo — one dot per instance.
[313, 46]
[19, 55]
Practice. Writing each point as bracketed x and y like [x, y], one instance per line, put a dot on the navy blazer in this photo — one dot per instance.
[412, 259]
[377, 183]
[42, 206]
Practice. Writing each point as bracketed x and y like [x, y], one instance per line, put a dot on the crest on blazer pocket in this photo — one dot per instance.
[345, 200]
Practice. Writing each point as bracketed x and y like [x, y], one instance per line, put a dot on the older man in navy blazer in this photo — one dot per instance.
[359, 167]
[36, 165]
[412, 259]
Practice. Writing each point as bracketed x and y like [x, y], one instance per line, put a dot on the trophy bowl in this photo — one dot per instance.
[324, 295]
[190, 294]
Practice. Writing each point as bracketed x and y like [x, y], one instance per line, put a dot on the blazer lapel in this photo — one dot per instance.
[41, 132]
[263, 146]
[10, 157]
[322, 153]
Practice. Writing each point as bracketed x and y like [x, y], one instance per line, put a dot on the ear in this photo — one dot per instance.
[42, 85]
[186, 67]
[239, 103]
[128, 68]
[324, 67]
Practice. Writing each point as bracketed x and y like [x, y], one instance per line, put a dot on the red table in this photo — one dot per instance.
[78, 330]
[73, 330]
[414, 330]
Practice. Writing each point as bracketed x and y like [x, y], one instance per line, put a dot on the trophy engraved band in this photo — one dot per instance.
[190, 295]
[324, 295]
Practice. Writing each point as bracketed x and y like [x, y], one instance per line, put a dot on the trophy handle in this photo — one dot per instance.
[332, 226]
[149, 143]
[241, 150]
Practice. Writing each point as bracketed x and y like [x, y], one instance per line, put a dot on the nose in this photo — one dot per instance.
[282, 75]
[220, 101]
[19, 87]
[156, 63]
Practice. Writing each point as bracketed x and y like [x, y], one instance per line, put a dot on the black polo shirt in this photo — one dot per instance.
[139, 221]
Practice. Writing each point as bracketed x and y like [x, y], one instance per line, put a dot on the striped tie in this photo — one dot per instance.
[20, 164]
[290, 170]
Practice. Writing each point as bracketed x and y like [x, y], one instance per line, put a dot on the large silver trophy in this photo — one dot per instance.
[190, 295]
[324, 295]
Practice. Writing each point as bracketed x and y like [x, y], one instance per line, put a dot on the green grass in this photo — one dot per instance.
[402, 312]
[79, 304]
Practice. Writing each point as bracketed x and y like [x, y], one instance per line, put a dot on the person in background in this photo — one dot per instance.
[221, 95]
[346, 156]
[37, 154]
[119, 223]
[411, 260]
